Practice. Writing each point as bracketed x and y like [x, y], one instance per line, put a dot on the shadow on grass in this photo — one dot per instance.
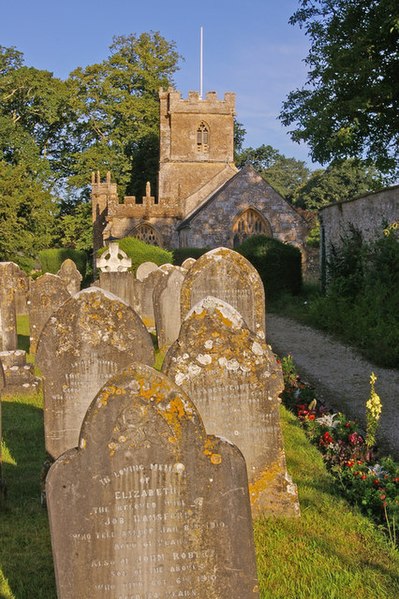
[25, 549]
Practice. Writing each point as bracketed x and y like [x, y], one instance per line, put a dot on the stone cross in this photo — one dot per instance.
[225, 274]
[149, 505]
[87, 340]
[234, 380]
[114, 259]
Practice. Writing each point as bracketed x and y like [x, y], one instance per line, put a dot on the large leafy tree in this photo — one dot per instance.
[349, 105]
[284, 174]
[118, 120]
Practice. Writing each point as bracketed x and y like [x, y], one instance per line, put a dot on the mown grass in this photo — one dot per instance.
[330, 552]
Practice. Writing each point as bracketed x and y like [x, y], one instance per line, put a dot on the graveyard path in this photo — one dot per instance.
[339, 374]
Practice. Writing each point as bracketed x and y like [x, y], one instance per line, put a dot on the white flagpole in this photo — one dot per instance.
[201, 61]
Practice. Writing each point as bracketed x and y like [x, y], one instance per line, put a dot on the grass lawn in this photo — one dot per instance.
[330, 552]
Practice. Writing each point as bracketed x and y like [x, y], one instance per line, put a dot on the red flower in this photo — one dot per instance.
[326, 439]
[311, 417]
[363, 476]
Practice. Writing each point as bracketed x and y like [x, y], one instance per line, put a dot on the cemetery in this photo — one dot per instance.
[157, 460]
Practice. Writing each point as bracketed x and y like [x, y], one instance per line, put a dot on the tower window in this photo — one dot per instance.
[203, 138]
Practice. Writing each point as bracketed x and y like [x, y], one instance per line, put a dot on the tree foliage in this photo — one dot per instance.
[118, 111]
[284, 174]
[349, 105]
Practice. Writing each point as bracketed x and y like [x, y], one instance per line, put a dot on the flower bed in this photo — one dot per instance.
[368, 481]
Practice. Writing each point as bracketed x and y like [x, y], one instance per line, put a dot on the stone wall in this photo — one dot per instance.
[369, 214]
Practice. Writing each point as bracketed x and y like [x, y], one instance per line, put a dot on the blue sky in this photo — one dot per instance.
[249, 48]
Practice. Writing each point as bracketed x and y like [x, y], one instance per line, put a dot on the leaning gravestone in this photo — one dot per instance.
[225, 274]
[12, 280]
[148, 505]
[144, 297]
[91, 337]
[188, 263]
[166, 301]
[234, 380]
[71, 276]
[46, 295]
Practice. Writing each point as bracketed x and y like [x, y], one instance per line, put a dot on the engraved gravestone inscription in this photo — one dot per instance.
[225, 274]
[148, 505]
[46, 295]
[234, 380]
[91, 337]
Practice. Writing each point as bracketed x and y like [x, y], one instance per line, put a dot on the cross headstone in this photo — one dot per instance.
[149, 505]
[234, 380]
[70, 275]
[166, 301]
[46, 294]
[113, 259]
[88, 339]
[225, 274]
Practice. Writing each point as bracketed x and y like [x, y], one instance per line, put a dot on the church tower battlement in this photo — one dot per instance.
[196, 146]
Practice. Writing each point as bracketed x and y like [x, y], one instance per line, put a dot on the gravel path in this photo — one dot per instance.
[339, 374]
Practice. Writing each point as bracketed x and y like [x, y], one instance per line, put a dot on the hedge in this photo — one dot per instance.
[51, 259]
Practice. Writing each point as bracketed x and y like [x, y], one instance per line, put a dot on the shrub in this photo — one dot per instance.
[51, 259]
[279, 264]
[181, 254]
[140, 252]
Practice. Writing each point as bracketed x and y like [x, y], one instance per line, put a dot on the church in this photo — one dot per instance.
[203, 199]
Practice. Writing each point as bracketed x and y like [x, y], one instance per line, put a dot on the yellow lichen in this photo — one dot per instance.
[263, 481]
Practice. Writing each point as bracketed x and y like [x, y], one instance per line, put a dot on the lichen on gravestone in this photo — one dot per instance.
[235, 381]
[149, 505]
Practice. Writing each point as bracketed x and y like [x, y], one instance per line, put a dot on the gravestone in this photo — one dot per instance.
[225, 274]
[12, 280]
[166, 301]
[121, 284]
[234, 380]
[188, 263]
[114, 259]
[91, 337]
[148, 505]
[144, 270]
[144, 297]
[71, 276]
[19, 376]
[46, 295]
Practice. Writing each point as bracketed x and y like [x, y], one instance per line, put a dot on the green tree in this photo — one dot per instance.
[338, 182]
[284, 174]
[349, 105]
[118, 111]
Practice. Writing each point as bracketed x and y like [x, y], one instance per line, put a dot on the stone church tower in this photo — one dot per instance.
[203, 200]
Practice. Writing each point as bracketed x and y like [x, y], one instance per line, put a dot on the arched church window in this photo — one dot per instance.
[203, 138]
[147, 233]
[249, 223]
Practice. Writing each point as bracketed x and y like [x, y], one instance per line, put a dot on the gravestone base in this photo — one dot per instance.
[19, 376]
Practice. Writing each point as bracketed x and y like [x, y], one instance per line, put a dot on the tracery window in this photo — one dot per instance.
[203, 138]
[249, 223]
[146, 233]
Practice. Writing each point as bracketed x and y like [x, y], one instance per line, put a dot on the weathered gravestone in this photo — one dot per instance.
[91, 337]
[144, 269]
[234, 380]
[121, 284]
[225, 274]
[70, 275]
[149, 506]
[144, 297]
[12, 280]
[46, 295]
[19, 375]
[166, 301]
[188, 263]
